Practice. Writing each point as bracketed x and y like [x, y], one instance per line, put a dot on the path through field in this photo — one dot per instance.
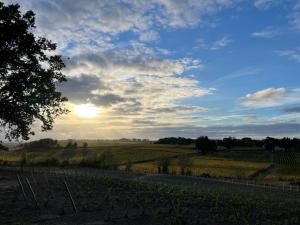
[261, 174]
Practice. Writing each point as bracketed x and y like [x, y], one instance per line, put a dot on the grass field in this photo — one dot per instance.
[214, 166]
[145, 157]
[121, 153]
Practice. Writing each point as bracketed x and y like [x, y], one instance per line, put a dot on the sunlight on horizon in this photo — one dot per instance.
[86, 110]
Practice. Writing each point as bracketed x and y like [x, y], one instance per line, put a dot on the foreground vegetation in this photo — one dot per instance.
[106, 199]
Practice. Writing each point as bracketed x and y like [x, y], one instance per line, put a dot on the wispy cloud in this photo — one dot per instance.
[292, 109]
[266, 33]
[271, 97]
[292, 54]
[221, 43]
[244, 72]
[266, 4]
[149, 36]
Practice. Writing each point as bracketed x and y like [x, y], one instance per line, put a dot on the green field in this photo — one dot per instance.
[214, 166]
[121, 153]
[145, 157]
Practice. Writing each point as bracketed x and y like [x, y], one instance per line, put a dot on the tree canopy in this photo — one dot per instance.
[205, 145]
[29, 72]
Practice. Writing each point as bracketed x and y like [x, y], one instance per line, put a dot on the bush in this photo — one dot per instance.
[205, 175]
[163, 165]
[65, 163]
[185, 164]
[128, 166]
[52, 162]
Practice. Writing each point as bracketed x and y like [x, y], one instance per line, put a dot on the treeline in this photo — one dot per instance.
[45, 143]
[268, 143]
[175, 141]
[48, 143]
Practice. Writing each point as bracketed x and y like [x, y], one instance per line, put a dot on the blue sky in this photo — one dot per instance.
[176, 68]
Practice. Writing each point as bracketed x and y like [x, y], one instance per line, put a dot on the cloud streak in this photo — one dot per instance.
[271, 97]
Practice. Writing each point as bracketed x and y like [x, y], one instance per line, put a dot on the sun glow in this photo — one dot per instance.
[86, 110]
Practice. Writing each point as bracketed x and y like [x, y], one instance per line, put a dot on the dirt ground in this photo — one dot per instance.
[57, 209]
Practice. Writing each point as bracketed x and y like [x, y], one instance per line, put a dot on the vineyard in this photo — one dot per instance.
[114, 197]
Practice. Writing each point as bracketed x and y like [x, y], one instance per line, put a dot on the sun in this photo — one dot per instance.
[86, 110]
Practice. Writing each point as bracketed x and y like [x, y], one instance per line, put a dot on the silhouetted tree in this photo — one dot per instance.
[28, 75]
[74, 146]
[286, 143]
[69, 144]
[45, 143]
[175, 141]
[229, 142]
[269, 144]
[204, 145]
[85, 145]
[2, 147]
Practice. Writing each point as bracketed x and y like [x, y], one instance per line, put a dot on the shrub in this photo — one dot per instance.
[128, 166]
[163, 165]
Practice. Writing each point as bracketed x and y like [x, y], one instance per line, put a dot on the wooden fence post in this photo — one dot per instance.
[70, 196]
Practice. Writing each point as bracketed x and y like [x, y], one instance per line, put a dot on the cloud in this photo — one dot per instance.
[266, 33]
[135, 82]
[99, 20]
[178, 109]
[264, 98]
[266, 4]
[128, 63]
[149, 36]
[107, 99]
[244, 72]
[221, 43]
[254, 131]
[91, 131]
[292, 54]
[200, 44]
[271, 97]
[79, 89]
[292, 110]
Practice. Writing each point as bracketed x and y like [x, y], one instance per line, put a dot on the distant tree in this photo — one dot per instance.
[74, 146]
[44, 143]
[69, 144]
[85, 145]
[246, 141]
[105, 160]
[28, 75]
[286, 143]
[229, 142]
[175, 141]
[204, 145]
[269, 144]
[296, 144]
[2, 147]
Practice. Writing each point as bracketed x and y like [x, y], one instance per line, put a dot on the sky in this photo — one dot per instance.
[158, 68]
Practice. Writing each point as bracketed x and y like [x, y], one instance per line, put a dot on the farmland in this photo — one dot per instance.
[124, 183]
[238, 163]
[103, 197]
